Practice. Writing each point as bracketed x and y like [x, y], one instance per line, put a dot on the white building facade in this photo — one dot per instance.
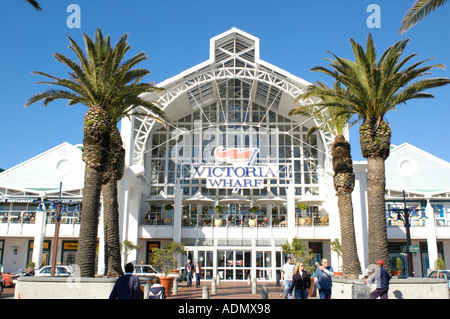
[225, 176]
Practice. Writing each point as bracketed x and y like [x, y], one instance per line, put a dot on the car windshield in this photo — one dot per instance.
[146, 270]
[61, 270]
[157, 269]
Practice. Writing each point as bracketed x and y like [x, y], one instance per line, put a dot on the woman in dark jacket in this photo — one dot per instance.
[301, 282]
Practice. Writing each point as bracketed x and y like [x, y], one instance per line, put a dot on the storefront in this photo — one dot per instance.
[231, 175]
[226, 173]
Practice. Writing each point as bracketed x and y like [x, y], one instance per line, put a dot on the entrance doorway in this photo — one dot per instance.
[234, 264]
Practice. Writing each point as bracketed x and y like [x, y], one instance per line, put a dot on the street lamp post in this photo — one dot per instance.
[406, 220]
[57, 223]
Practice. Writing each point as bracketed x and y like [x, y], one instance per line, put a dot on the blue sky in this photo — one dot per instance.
[294, 35]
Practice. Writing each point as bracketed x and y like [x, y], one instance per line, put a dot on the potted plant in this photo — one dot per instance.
[30, 267]
[168, 220]
[165, 260]
[252, 221]
[397, 264]
[302, 207]
[336, 247]
[439, 264]
[218, 221]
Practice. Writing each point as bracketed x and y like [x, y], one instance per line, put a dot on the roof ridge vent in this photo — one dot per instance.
[234, 45]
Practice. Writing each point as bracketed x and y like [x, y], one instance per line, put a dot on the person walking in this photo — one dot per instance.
[301, 282]
[287, 273]
[156, 291]
[189, 269]
[323, 279]
[127, 286]
[382, 278]
[198, 274]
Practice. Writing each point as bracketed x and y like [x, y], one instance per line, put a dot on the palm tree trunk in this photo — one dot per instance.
[378, 243]
[113, 173]
[344, 181]
[95, 154]
[375, 140]
[87, 244]
[111, 229]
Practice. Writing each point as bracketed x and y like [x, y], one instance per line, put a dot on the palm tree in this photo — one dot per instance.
[418, 11]
[99, 81]
[333, 120]
[114, 172]
[372, 89]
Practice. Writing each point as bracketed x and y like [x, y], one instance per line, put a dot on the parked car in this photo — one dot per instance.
[60, 271]
[152, 271]
[9, 280]
[441, 274]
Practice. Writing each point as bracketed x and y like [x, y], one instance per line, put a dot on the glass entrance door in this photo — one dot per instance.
[234, 264]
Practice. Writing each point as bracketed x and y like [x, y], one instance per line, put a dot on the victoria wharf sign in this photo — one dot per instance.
[240, 174]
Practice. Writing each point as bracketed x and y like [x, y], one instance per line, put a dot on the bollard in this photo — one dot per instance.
[254, 287]
[277, 282]
[264, 292]
[175, 287]
[213, 287]
[205, 294]
[218, 280]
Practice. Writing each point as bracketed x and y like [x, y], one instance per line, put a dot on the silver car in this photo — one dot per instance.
[60, 271]
[152, 271]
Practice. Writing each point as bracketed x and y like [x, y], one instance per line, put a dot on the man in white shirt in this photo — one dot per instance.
[287, 273]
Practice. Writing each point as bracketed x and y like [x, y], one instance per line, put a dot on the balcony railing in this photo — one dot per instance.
[230, 220]
[418, 216]
[12, 217]
[26, 217]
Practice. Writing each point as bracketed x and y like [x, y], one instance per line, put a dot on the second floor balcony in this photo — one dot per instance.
[417, 214]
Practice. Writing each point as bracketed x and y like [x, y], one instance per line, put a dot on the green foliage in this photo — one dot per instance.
[127, 245]
[336, 246]
[419, 10]
[165, 258]
[397, 263]
[370, 88]
[439, 264]
[31, 265]
[101, 77]
[299, 252]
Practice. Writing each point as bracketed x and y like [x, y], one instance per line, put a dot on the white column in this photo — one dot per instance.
[359, 200]
[38, 242]
[430, 224]
[290, 205]
[101, 243]
[177, 213]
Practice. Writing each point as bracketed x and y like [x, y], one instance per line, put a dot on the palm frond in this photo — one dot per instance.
[417, 12]
[102, 77]
[35, 4]
[374, 87]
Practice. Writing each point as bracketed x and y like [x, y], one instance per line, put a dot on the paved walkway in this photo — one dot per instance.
[229, 290]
